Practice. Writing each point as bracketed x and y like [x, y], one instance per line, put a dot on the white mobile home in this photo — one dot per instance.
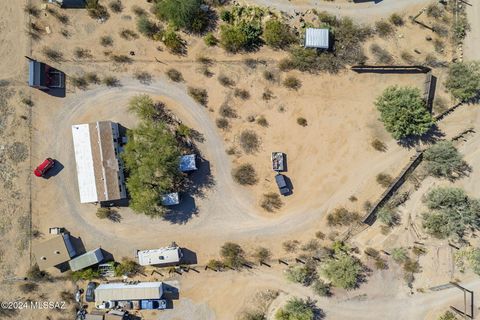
[160, 257]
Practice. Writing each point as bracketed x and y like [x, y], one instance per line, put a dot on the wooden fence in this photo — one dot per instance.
[391, 69]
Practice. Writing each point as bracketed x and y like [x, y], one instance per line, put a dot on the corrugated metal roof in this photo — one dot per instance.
[187, 163]
[86, 260]
[317, 38]
[84, 160]
[125, 291]
[159, 256]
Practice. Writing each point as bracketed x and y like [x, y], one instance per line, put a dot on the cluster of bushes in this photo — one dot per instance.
[83, 81]
[346, 48]
[410, 265]
[342, 217]
[463, 80]
[188, 15]
[443, 160]
[151, 158]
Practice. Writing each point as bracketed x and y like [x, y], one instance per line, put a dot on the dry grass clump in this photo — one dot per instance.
[302, 121]
[222, 123]
[241, 93]
[111, 81]
[52, 54]
[128, 34]
[249, 141]
[225, 81]
[384, 179]
[106, 41]
[380, 54]
[292, 82]
[271, 201]
[378, 145]
[245, 174]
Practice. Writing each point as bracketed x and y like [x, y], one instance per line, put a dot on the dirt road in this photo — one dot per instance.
[472, 41]
[365, 11]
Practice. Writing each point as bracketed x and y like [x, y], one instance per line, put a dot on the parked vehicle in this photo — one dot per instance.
[108, 305]
[282, 184]
[278, 161]
[90, 292]
[46, 165]
[154, 304]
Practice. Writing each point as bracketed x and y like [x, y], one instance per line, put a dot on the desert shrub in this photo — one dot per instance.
[269, 76]
[271, 202]
[116, 6]
[32, 10]
[227, 111]
[407, 57]
[241, 93]
[128, 34]
[434, 10]
[174, 43]
[174, 75]
[403, 112]
[411, 266]
[384, 179]
[443, 160]
[215, 264]
[92, 77]
[96, 10]
[292, 82]
[321, 288]
[143, 77]
[381, 264]
[245, 174]
[380, 54]
[290, 245]
[297, 309]
[396, 19]
[320, 235]
[267, 95]
[35, 274]
[451, 212]
[440, 29]
[277, 34]
[106, 41]
[342, 271]
[252, 315]
[342, 217]
[111, 81]
[262, 121]
[210, 40]
[251, 63]
[262, 254]
[85, 274]
[183, 14]
[418, 251]
[121, 58]
[52, 54]
[232, 255]
[448, 315]
[399, 255]
[28, 287]
[199, 95]
[460, 28]
[379, 145]
[249, 141]
[81, 53]
[387, 216]
[138, 11]
[79, 82]
[222, 123]
[468, 256]
[371, 252]
[302, 121]
[225, 81]
[148, 28]
[232, 38]
[127, 267]
[463, 80]
[103, 212]
[312, 245]
[384, 28]
[303, 274]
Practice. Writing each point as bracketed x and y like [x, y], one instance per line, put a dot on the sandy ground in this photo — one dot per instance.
[472, 41]
[329, 160]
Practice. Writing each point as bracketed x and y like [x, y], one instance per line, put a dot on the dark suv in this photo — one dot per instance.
[282, 184]
[90, 292]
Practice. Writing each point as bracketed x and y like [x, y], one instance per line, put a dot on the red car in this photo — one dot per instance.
[46, 165]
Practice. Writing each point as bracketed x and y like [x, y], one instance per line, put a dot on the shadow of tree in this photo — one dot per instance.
[432, 136]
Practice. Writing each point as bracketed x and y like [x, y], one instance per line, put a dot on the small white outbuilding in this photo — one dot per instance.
[317, 38]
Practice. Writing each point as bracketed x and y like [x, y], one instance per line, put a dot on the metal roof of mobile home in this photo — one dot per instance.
[317, 38]
[124, 291]
[86, 260]
[100, 177]
[187, 163]
[36, 73]
[159, 256]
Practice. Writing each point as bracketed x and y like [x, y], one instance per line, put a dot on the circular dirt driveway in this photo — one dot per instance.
[215, 213]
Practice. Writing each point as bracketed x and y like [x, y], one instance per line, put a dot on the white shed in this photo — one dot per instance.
[317, 38]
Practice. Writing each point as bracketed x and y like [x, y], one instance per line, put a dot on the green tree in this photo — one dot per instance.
[232, 38]
[277, 34]
[443, 159]
[343, 270]
[184, 14]
[463, 80]
[403, 112]
[468, 256]
[127, 267]
[151, 158]
[85, 274]
[452, 211]
[296, 309]
[448, 315]
[303, 274]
